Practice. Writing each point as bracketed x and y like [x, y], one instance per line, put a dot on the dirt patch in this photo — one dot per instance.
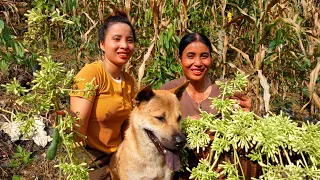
[39, 168]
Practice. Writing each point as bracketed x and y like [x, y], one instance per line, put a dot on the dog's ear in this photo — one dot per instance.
[144, 94]
[180, 89]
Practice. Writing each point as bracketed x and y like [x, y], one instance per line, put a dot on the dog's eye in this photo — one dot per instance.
[161, 118]
[179, 118]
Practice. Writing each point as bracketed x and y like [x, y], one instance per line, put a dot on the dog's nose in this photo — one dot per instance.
[180, 140]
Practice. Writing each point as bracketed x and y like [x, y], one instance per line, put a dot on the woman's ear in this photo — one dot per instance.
[102, 45]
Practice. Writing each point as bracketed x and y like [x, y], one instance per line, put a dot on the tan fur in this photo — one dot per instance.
[137, 157]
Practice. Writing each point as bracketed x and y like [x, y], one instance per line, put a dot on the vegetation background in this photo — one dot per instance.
[275, 42]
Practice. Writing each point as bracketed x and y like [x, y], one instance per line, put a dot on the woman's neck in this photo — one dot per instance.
[198, 86]
[112, 69]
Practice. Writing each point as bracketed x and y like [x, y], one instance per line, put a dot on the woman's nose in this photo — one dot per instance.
[123, 44]
[197, 61]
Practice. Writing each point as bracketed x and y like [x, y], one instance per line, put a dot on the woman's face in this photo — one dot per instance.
[195, 61]
[118, 45]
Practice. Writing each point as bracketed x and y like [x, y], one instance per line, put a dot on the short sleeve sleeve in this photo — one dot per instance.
[86, 75]
[165, 86]
[172, 84]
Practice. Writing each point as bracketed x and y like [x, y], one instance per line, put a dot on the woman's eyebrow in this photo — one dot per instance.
[118, 35]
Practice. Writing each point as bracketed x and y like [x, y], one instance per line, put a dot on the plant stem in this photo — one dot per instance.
[47, 37]
[288, 158]
[263, 169]
[215, 161]
[224, 92]
[280, 157]
[304, 161]
[86, 152]
[9, 112]
[210, 156]
[55, 101]
[67, 148]
[236, 158]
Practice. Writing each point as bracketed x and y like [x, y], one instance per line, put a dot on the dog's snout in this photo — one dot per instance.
[180, 140]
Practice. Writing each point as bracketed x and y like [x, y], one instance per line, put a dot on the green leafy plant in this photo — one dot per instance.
[165, 65]
[51, 82]
[21, 157]
[17, 177]
[11, 51]
[281, 147]
[42, 19]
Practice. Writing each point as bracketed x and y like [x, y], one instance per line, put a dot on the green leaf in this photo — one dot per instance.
[19, 149]
[17, 177]
[19, 49]
[278, 36]
[1, 25]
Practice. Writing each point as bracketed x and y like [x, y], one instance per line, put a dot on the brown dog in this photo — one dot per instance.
[150, 148]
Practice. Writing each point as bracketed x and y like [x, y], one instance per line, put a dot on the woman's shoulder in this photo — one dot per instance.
[90, 71]
[91, 68]
[172, 84]
[128, 78]
[94, 66]
[215, 91]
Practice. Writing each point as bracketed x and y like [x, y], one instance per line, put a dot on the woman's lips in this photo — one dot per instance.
[197, 72]
[123, 55]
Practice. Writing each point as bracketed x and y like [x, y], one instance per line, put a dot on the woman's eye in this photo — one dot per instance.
[130, 40]
[116, 39]
[204, 56]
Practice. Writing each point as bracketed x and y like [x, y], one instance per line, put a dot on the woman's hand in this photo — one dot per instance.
[244, 101]
[60, 113]
[195, 117]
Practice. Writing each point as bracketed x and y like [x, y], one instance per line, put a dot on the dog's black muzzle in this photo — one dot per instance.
[180, 140]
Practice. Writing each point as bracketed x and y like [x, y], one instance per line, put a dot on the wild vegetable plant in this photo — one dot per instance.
[21, 157]
[17, 177]
[41, 21]
[11, 51]
[281, 147]
[51, 83]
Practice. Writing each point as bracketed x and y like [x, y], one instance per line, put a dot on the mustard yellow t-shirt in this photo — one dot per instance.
[112, 105]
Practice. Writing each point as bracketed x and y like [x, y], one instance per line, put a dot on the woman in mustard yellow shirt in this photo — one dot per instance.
[103, 114]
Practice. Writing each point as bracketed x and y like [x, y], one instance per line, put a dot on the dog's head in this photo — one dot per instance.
[158, 116]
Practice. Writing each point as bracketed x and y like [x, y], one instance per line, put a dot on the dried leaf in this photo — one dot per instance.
[184, 8]
[154, 5]
[259, 57]
[143, 65]
[312, 84]
[244, 55]
[266, 93]
[270, 5]
[239, 18]
[250, 18]
[316, 20]
[128, 6]
[313, 79]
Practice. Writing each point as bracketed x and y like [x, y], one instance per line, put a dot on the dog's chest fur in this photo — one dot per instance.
[139, 160]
